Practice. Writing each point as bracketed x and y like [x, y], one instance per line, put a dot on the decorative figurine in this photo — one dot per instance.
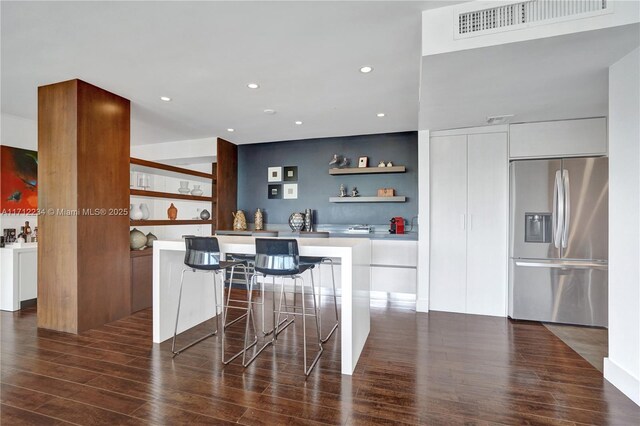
[172, 212]
[354, 191]
[343, 190]
[258, 220]
[389, 164]
[137, 240]
[205, 215]
[296, 222]
[150, 239]
[239, 221]
[339, 161]
[381, 164]
[308, 220]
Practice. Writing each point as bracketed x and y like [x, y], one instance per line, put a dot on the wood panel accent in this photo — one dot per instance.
[227, 183]
[83, 262]
[170, 195]
[162, 222]
[444, 369]
[141, 279]
[168, 168]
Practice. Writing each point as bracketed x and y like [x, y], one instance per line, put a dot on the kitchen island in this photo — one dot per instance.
[354, 255]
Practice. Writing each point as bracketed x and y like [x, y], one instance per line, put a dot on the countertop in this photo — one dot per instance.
[371, 236]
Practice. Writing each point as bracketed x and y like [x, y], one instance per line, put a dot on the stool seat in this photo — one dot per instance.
[310, 260]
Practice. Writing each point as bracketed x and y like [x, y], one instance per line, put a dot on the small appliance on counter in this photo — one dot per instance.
[397, 225]
[359, 229]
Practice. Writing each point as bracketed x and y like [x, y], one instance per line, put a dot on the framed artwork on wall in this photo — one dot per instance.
[19, 180]
[290, 191]
[274, 174]
[290, 174]
[274, 192]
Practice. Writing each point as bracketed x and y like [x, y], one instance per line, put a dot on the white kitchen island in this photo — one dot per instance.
[354, 255]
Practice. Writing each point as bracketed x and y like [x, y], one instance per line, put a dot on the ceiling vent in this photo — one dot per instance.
[525, 14]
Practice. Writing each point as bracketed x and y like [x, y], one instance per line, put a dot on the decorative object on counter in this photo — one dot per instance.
[145, 211]
[150, 239]
[184, 187]
[27, 229]
[9, 235]
[258, 220]
[343, 190]
[386, 192]
[363, 161]
[339, 161]
[296, 222]
[205, 215]
[35, 235]
[143, 181]
[21, 237]
[135, 213]
[290, 173]
[382, 164]
[308, 220]
[137, 239]
[196, 190]
[290, 191]
[239, 221]
[274, 191]
[1, 241]
[389, 164]
[274, 174]
[172, 212]
[354, 191]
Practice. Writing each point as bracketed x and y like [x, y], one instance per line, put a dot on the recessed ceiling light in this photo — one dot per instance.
[380, 114]
[269, 111]
[231, 130]
[165, 98]
[298, 123]
[253, 85]
[366, 69]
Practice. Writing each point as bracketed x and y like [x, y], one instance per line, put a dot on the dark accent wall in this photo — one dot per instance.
[315, 185]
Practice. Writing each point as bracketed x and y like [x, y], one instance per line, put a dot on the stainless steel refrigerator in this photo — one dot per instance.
[558, 269]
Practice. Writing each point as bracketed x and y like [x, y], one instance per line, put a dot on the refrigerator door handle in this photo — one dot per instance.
[563, 265]
[567, 208]
[558, 210]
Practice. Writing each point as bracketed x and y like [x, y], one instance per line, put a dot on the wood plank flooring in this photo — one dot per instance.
[433, 369]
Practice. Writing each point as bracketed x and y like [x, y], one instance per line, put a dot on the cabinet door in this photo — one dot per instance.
[487, 241]
[448, 176]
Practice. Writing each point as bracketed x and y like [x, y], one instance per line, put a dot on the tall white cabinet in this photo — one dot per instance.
[469, 221]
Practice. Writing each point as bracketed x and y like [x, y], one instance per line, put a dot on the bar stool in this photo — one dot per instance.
[203, 255]
[280, 258]
[318, 261]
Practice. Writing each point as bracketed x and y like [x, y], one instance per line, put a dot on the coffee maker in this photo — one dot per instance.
[397, 225]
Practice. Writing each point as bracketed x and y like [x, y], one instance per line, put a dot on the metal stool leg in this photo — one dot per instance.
[246, 315]
[335, 303]
[304, 328]
[246, 363]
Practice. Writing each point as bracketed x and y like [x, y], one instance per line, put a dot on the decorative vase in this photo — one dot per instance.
[296, 222]
[172, 212]
[137, 240]
[135, 213]
[150, 239]
[308, 220]
[205, 215]
[196, 191]
[184, 187]
[145, 211]
[258, 220]
[239, 221]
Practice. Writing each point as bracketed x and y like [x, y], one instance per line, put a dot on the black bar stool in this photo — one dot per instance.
[318, 261]
[203, 255]
[280, 258]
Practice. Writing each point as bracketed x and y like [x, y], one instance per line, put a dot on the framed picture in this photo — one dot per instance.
[363, 162]
[290, 191]
[290, 173]
[275, 174]
[275, 192]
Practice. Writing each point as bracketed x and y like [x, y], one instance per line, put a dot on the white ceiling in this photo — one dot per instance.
[304, 55]
[543, 79]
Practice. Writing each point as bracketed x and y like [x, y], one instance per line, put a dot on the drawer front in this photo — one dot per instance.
[394, 253]
[393, 280]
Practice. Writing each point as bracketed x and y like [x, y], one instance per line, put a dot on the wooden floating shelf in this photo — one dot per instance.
[396, 199]
[152, 167]
[367, 170]
[147, 251]
[155, 194]
[170, 222]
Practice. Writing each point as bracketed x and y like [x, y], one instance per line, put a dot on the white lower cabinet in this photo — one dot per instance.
[468, 223]
[393, 266]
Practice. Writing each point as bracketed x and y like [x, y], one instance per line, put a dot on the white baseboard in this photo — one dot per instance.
[621, 379]
[422, 305]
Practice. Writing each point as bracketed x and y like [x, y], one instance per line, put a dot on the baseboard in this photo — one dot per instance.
[620, 378]
[422, 305]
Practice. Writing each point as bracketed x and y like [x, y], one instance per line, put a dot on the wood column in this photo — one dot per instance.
[226, 185]
[83, 234]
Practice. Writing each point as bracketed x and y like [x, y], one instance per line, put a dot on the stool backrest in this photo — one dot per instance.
[277, 257]
[202, 253]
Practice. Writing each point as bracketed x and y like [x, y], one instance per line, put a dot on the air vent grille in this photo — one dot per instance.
[507, 16]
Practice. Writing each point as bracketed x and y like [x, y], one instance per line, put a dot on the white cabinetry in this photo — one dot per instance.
[18, 275]
[393, 266]
[563, 138]
[469, 222]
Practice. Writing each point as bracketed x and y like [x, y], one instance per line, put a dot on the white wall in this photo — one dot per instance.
[422, 295]
[622, 367]
[187, 152]
[438, 26]
[22, 133]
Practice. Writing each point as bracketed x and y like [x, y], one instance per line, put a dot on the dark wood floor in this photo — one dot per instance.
[434, 368]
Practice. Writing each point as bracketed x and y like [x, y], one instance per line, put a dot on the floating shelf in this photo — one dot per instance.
[155, 194]
[396, 199]
[170, 222]
[367, 170]
[147, 251]
[151, 167]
